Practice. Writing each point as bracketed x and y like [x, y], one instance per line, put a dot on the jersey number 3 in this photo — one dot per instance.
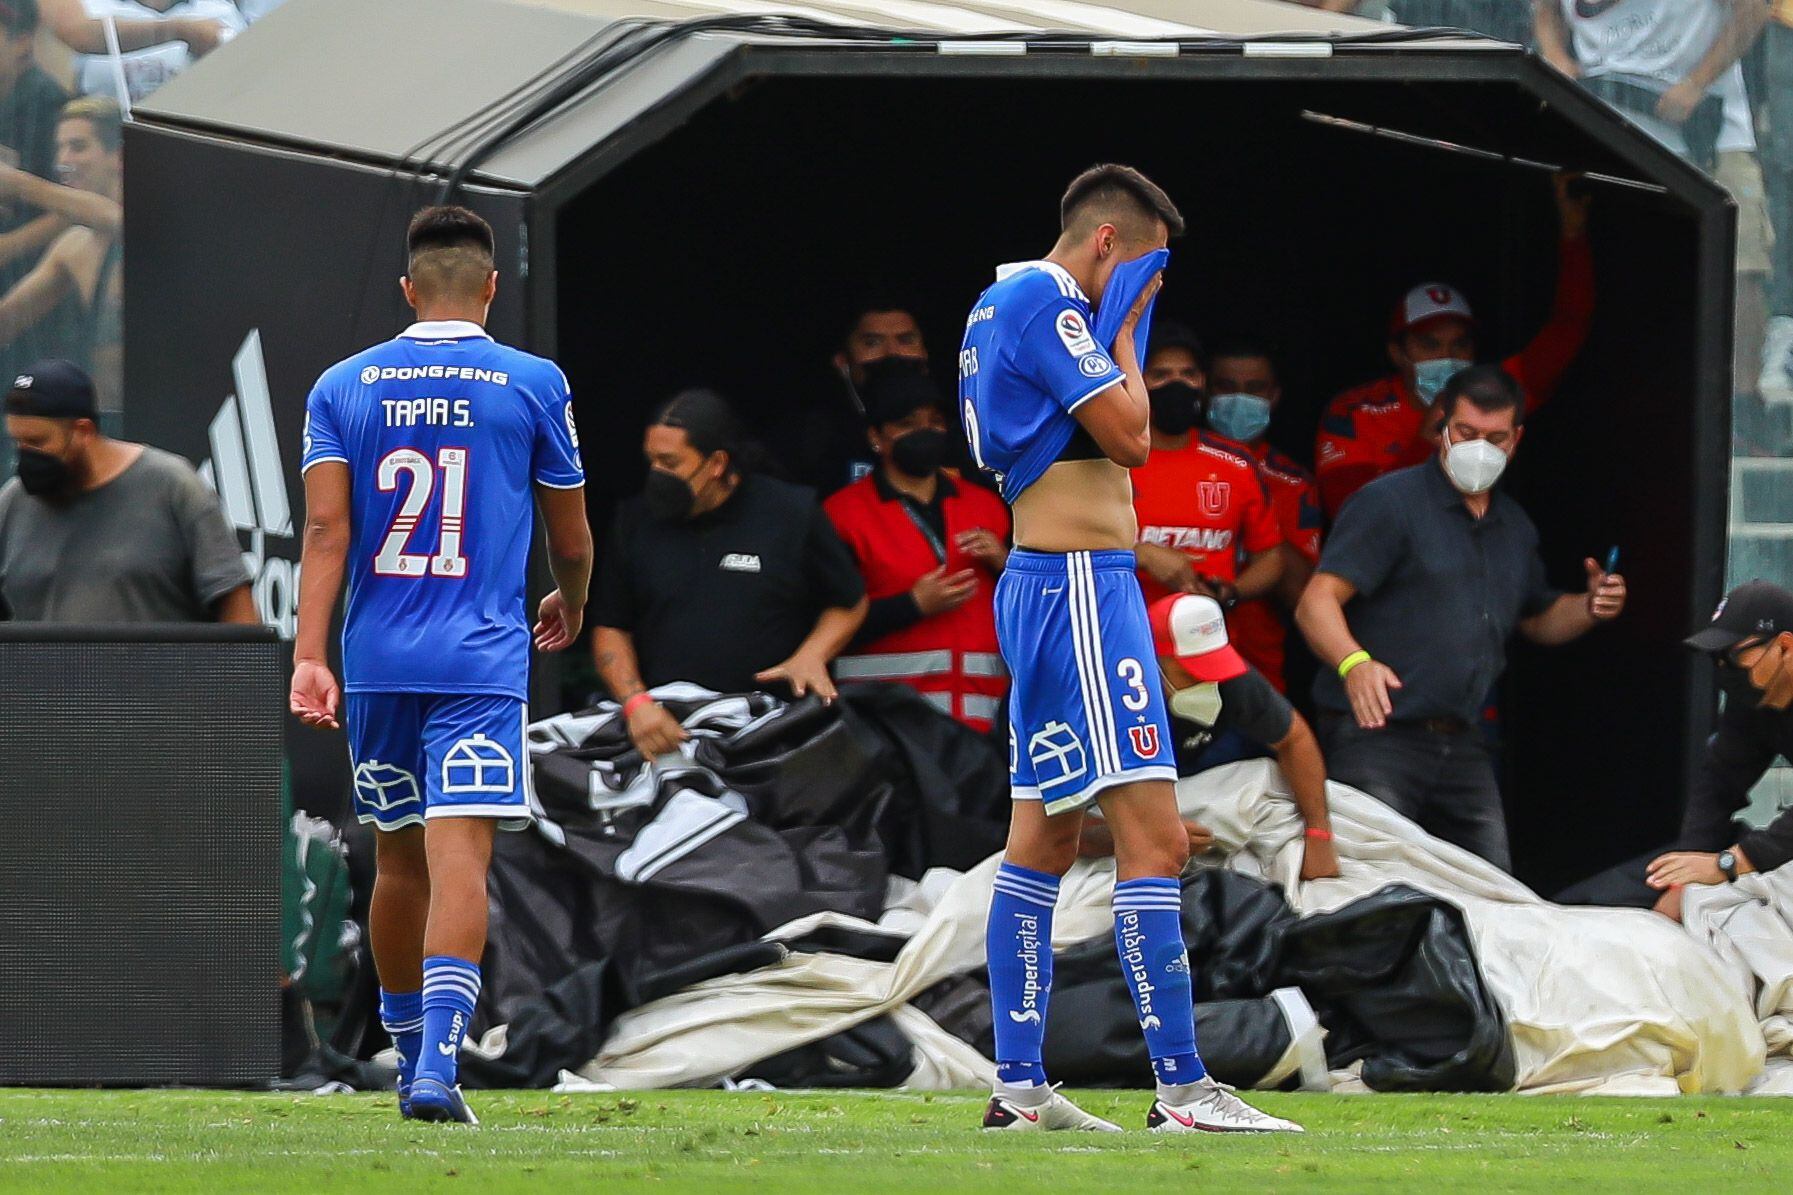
[393, 560]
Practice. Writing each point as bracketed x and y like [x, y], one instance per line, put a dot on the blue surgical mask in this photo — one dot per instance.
[1241, 417]
[1431, 377]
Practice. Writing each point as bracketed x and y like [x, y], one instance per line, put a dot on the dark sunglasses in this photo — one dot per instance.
[1728, 657]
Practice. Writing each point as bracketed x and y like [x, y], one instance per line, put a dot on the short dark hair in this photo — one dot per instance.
[1487, 388]
[1244, 347]
[1111, 190]
[710, 423]
[102, 113]
[18, 17]
[874, 303]
[450, 251]
[449, 226]
[1170, 334]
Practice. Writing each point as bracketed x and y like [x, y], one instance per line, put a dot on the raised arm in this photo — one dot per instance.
[30, 237]
[69, 21]
[37, 293]
[71, 203]
[1119, 418]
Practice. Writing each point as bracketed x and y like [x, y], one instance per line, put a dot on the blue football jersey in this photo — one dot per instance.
[1029, 359]
[445, 432]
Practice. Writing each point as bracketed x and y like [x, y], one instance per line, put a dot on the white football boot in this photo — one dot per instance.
[1206, 1106]
[1039, 1109]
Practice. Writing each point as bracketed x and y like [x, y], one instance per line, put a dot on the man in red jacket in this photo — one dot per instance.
[1206, 524]
[930, 546]
[1244, 390]
[1387, 424]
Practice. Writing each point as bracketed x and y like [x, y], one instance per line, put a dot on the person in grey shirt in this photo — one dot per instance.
[97, 530]
[1426, 576]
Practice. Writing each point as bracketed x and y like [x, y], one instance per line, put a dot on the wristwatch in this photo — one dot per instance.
[1727, 863]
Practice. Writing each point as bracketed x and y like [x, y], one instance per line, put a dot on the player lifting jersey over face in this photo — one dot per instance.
[1055, 405]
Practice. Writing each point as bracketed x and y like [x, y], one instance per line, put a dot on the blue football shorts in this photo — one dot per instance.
[427, 755]
[1086, 703]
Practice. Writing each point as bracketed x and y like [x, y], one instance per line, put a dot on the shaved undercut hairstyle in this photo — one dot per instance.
[1121, 196]
[451, 251]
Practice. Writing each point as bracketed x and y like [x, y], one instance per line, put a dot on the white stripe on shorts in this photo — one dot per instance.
[1088, 679]
[1101, 716]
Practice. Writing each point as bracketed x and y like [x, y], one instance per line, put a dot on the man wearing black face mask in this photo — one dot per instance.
[930, 548]
[1750, 642]
[1201, 501]
[96, 530]
[718, 576]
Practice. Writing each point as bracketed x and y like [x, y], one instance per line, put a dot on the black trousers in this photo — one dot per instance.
[1442, 780]
[1620, 886]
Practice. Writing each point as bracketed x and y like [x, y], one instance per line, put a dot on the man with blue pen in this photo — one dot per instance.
[1428, 573]
[1055, 405]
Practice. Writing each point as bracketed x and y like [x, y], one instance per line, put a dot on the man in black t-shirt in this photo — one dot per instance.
[1213, 691]
[718, 576]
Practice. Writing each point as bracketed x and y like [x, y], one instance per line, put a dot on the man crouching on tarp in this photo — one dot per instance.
[1214, 692]
[1750, 641]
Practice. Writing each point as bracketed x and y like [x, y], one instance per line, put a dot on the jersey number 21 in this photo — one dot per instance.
[393, 560]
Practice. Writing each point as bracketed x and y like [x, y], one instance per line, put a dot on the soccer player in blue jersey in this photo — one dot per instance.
[1060, 418]
[422, 458]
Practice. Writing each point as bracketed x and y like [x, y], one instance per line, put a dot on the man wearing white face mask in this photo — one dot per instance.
[1391, 423]
[1427, 574]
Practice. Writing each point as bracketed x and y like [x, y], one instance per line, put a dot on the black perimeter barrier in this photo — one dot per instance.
[140, 835]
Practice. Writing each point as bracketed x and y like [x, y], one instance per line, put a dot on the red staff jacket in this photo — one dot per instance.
[951, 658]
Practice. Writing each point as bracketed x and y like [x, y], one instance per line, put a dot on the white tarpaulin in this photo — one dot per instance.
[1597, 1000]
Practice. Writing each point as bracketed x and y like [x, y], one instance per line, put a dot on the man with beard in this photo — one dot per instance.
[930, 548]
[97, 530]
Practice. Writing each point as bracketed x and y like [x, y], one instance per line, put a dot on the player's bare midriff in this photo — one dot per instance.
[1077, 506]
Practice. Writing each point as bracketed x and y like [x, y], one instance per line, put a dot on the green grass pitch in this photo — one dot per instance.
[196, 1143]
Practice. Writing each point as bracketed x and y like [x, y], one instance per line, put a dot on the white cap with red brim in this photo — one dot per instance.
[1429, 301]
[1191, 628]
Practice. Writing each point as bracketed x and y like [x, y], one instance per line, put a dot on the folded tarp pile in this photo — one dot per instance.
[771, 812]
[744, 891]
[1618, 1001]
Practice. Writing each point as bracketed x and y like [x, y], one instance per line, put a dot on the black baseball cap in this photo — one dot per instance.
[1753, 609]
[894, 387]
[53, 389]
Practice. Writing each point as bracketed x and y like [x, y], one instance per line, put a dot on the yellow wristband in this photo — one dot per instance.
[1351, 661]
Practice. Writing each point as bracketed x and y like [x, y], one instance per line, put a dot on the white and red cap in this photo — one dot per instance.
[1429, 301]
[1191, 628]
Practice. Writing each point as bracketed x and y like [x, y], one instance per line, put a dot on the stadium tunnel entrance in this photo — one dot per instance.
[710, 215]
[697, 264]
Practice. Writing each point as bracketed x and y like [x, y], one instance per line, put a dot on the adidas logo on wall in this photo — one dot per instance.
[246, 471]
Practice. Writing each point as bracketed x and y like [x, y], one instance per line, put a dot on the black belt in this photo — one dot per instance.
[1433, 725]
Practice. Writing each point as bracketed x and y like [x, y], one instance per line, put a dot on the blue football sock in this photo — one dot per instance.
[1018, 943]
[450, 990]
[1148, 933]
[402, 1015]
